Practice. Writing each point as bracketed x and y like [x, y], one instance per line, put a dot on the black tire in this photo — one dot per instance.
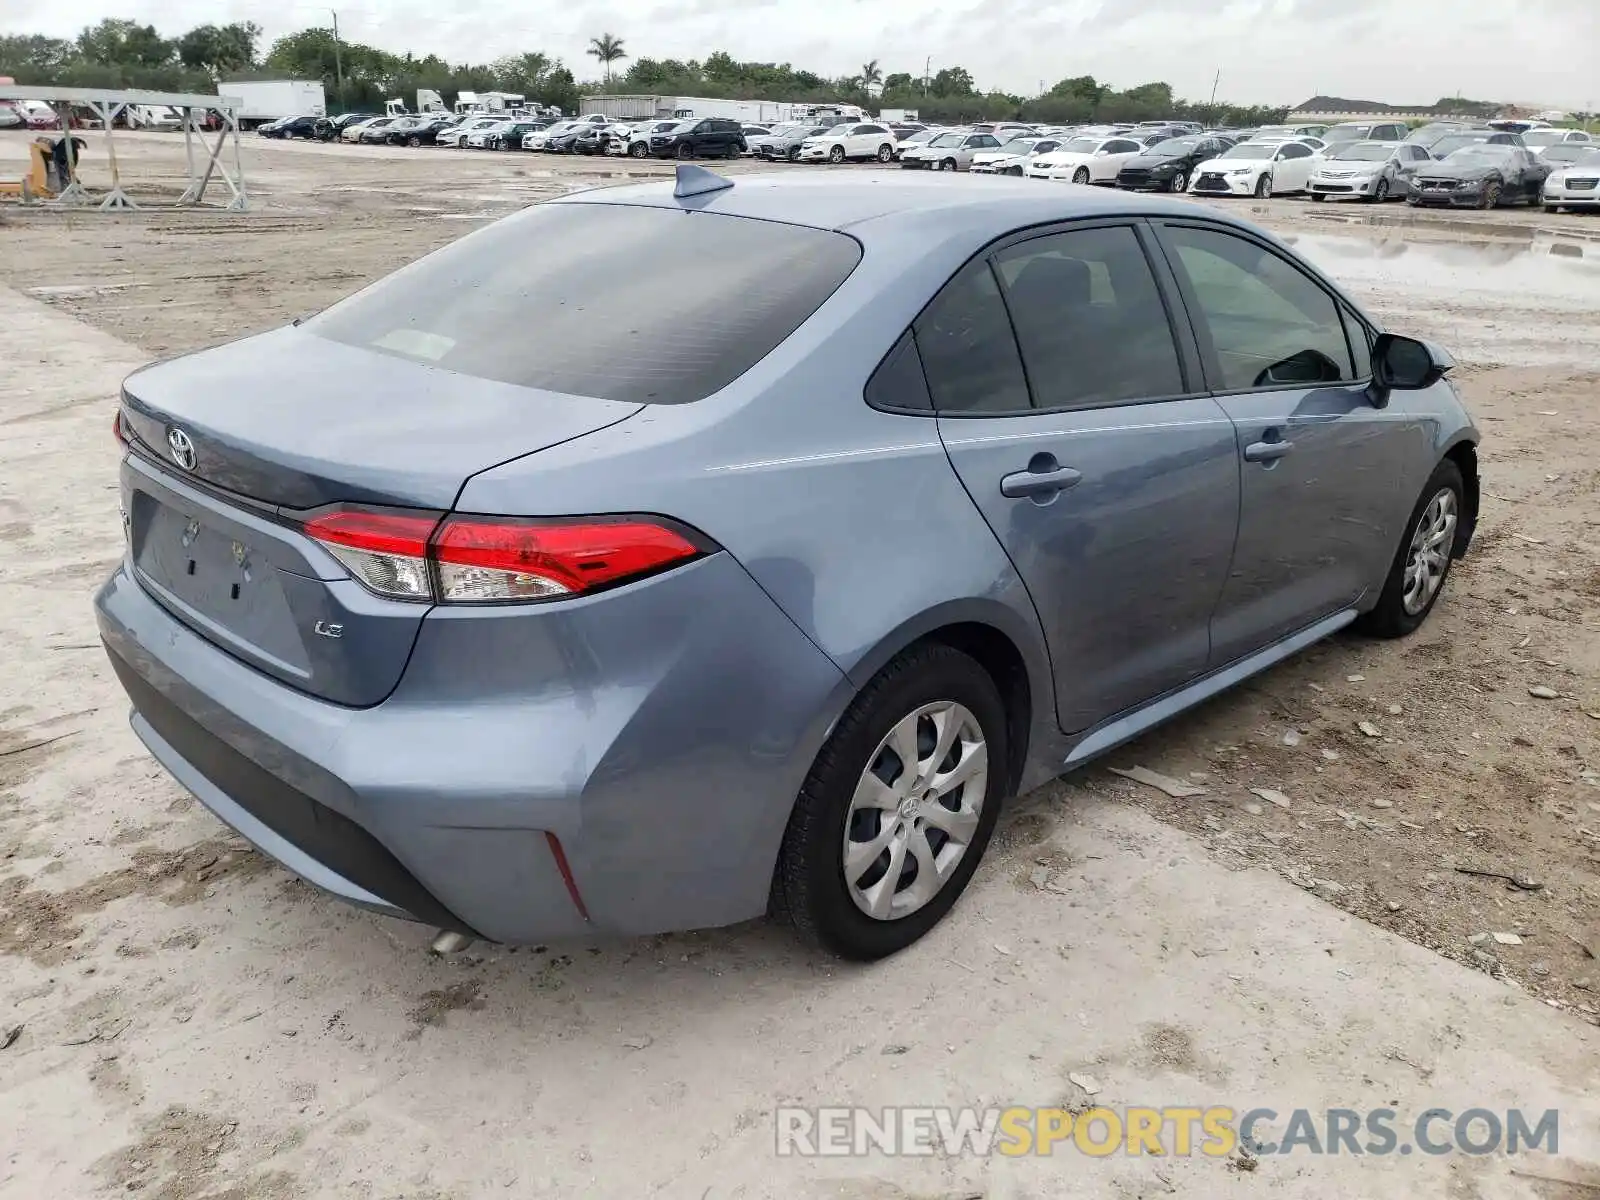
[638, 150]
[836, 155]
[1014, 171]
[808, 887]
[1381, 192]
[1178, 183]
[1552, 208]
[1388, 618]
[1492, 192]
[949, 164]
[1413, 200]
[794, 154]
[1317, 197]
[1264, 187]
[885, 153]
[685, 151]
[1081, 175]
[413, 141]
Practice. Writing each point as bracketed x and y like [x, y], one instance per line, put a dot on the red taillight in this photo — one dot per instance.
[484, 560]
[387, 552]
[495, 560]
[117, 430]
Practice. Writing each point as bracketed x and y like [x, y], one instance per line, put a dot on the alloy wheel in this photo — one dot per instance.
[1081, 175]
[916, 810]
[836, 155]
[1180, 181]
[1428, 558]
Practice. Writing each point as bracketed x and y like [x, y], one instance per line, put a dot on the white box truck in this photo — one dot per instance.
[264, 100]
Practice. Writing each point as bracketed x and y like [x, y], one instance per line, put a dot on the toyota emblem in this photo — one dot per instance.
[182, 449]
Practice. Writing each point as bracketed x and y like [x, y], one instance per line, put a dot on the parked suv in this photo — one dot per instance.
[709, 137]
[850, 141]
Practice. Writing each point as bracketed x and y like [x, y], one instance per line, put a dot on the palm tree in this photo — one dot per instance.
[608, 49]
[871, 76]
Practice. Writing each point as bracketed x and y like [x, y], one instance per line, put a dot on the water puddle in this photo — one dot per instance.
[1530, 302]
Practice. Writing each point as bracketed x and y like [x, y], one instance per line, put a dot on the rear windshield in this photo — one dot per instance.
[642, 305]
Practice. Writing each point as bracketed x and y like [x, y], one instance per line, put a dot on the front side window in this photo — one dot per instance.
[969, 354]
[1089, 319]
[1269, 323]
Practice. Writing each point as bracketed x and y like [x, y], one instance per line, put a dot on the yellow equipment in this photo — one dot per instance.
[35, 185]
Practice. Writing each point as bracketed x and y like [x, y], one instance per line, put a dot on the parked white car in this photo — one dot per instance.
[1086, 159]
[352, 132]
[1014, 157]
[637, 142]
[1539, 140]
[540, 139]
[1259, 169]
[455, 137]
[849, 140]
[1574, 185]
[479, 139]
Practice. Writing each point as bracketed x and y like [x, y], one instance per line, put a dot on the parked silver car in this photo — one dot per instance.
[783, 143]
[608, 571]
[1372, 171]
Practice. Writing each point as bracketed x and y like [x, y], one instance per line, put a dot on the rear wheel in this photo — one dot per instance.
[836, 155]
[1081, 175]
[1264, 187]
[413, 141]
[1416, 577]
[895, 815]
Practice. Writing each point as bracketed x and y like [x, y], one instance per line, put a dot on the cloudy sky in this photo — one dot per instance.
[1268, 51]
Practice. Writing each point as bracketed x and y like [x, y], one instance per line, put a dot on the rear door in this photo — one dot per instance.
[1292, 170]
[1319, 464]
[1081, 436]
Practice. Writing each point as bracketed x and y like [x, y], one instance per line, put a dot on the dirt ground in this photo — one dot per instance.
[195, 1023]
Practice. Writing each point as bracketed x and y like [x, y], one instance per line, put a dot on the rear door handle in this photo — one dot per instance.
[1040, 479]
[1266, 451]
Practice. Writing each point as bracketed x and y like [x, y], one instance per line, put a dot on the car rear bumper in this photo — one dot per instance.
[653, 737]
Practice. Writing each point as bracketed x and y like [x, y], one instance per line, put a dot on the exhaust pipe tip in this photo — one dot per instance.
[449, 941]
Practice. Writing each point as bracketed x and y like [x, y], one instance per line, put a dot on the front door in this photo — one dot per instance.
[1319, 464]
[1112, 486]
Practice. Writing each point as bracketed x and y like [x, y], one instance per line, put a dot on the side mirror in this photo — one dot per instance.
[1405, 365]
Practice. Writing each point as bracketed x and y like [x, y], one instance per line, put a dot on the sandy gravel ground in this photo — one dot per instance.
[195, 1023]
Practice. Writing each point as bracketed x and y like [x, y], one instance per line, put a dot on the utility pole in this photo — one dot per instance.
[1214, 84]
[927, 72]
[338, 61]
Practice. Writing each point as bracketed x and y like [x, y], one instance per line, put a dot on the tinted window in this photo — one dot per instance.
[968, 352]
[1089, 319]
[1270, 324]
[899, 382]
[644, 305]
[1295, 150]
[1123, 147]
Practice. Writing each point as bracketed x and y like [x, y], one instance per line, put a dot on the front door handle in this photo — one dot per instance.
[1044, 477]
[1266, 451]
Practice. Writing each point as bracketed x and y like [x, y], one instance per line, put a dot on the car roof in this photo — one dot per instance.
[985, 208]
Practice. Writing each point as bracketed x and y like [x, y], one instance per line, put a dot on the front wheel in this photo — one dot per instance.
[1416, 577]
[836, 155]
[1081, 175]
[1014, 171]
[1552, 208]
[1491, 195]
[638, 150]
[1317, 197]
[685, 151]
[1381, 192]
[949, 164]
[1264, 188]
[1180, 181]
[413, 142]
[794, 154]
[895, 815]
[885, 154]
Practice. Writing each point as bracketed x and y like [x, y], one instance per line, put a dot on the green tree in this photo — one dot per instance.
[34, 60]
[220, 49]
[871, 76]
[953, 81]
[608, 49]
[900, 81]
[121, 43]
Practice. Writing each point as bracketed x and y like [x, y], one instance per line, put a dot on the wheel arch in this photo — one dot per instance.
[1464, 453]
[1013, 654]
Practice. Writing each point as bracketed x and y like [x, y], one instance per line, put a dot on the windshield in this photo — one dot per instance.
[1021, 145]
[1174, 146]
[1364, 152]
[1081, 145]
[1347, 133]
[1570, 152]
[948, 139]
[1543, 137]
[1479, 154]
[922, 135]
[1254, 150]
[1446, 146]
[562, 296]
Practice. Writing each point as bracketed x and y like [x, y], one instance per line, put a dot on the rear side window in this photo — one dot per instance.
[899, 383]
[1089, 319]
[620, 302]
[968, 351]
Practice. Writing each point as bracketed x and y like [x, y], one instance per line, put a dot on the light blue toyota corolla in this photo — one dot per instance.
[664, 556]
